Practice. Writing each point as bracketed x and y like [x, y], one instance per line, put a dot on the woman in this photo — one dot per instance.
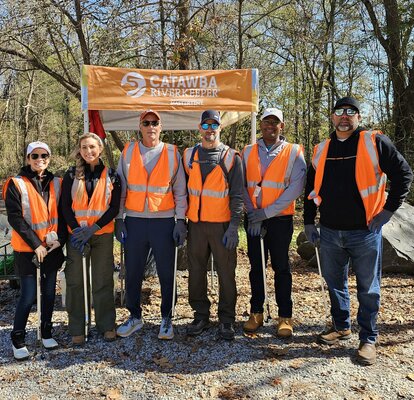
[32, 199]
[90, 201]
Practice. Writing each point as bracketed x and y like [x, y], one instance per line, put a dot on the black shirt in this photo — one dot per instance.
[342, 207]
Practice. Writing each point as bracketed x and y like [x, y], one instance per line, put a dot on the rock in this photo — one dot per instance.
[398, 253]
[301, 238]
[306, 250]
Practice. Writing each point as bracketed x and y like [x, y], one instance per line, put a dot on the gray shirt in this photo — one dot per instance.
[208, 160]
[297, 179]
[150, 157]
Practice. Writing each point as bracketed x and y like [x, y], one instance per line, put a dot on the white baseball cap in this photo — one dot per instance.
[272, 111]
[37, 145]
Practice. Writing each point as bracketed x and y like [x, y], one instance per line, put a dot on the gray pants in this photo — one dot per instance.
[203, 238]
[102, 259]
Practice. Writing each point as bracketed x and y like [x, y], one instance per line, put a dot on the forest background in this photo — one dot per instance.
[308, 53]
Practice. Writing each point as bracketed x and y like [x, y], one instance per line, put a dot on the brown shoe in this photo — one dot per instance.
[284, 327]
[110, 336]
[254, 322]
[333, 336]
[366, 354]
[78, 340]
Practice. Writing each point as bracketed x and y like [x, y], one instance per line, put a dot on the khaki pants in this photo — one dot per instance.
[203, 238]
[102, 259]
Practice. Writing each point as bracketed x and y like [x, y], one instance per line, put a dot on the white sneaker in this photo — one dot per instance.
[130, 326]
[166, 329]
[50, 344]
[21, 354]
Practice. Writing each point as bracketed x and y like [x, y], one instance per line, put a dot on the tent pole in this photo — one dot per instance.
[253, 132]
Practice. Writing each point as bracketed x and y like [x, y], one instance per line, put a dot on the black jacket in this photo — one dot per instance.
[54, 259]
[91, 179]
[342, 207]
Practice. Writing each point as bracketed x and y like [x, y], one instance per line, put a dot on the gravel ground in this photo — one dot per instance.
[260, 366]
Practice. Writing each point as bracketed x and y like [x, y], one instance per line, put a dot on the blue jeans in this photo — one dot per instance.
[364, 250]
[143, 234]
[28, 297]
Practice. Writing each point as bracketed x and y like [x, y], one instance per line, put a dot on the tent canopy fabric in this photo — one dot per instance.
[121, 94]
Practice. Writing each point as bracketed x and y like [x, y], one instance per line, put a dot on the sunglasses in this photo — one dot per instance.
[152, 123]
[270, 122]
[43, 156]
[350, 112]
[213, 126]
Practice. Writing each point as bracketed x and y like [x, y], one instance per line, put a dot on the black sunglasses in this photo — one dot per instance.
[152, 123]
[35, 156]
[348, 111]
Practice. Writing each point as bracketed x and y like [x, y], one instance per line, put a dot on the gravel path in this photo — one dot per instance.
[257, 367]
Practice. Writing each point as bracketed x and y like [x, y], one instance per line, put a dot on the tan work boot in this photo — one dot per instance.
[254, 322]
[366, 354]
[284, 327]
[110, 336]
[333, 336]
[78, 340]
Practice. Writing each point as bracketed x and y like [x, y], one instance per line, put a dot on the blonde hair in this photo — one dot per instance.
[80, 163]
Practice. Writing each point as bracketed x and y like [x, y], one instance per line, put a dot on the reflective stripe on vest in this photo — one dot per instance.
[276, 177]
[370, 181]
[208, 202]
[90, 210]
[41, 217]
[157, 188]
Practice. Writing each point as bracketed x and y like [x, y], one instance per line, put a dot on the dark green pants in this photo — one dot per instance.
[203, 238]
[102, 260]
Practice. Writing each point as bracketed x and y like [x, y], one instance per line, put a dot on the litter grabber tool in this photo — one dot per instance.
[268, 318]
[38, 303]
[85, 253]
[122, 274]
[212, 274]
[174, 283]
[325, 306]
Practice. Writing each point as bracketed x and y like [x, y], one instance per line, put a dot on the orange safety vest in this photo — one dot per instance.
[369, 178]
[208, 202]
[90, 211]
[156, 188]
[276, 177]
[41, 217]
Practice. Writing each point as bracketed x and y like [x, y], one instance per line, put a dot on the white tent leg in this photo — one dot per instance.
[253, 132]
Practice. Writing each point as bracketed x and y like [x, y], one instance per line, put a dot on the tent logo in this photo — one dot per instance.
[137, 81]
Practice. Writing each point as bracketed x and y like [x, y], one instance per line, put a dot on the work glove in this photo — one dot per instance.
[179, 232]
[82, 234]
[120, 230]
[256, 215]
[253, 229]
[312, 234]
[379, 220]
[231, 237]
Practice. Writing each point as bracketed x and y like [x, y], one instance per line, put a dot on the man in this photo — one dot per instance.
[347, 181]
[215, 181]
[275, 173]
[154, 200]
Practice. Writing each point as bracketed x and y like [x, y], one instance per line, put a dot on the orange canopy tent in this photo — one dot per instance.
[119, 95]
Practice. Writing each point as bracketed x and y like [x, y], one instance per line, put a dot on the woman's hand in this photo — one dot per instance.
[41, 253]
[53, 245]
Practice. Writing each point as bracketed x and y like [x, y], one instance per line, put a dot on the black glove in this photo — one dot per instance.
[231, 237]
[253, 229]
[379, 220]
[120, 230]
[82, 234]
[312, 234]
[179, 232]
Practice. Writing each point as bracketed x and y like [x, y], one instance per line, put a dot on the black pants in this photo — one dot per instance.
[205, 238]
[276, 242]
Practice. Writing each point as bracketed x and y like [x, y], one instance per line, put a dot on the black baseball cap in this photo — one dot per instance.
[347, 101]
[210, 114]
